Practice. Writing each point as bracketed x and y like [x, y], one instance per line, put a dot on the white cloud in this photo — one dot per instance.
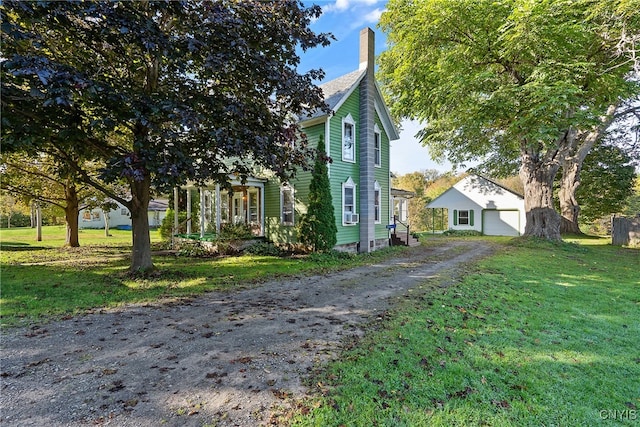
[342, 5]
[373, 16]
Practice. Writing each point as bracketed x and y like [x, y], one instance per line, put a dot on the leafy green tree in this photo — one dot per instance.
[607, 182]
[161, 92]
[12, 208]
[507, 80]
[318, 226]
[44, 180]
[632, 207]
[418, 182]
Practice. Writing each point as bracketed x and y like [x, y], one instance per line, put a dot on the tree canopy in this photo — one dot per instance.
[510, 79]
[160, 92]
[607, 182]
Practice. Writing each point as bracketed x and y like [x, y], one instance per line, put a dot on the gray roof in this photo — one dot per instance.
[336, 90]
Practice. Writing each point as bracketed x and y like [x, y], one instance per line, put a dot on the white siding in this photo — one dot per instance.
[501, 223]
[485, 198]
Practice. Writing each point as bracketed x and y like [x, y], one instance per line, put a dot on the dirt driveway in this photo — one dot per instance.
[224, 359]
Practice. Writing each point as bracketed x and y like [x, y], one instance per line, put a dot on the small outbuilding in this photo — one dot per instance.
[480, 204]
[120, 216]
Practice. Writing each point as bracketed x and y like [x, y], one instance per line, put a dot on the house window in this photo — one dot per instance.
[86, 216]
[376, 202]
[124, 211]
[253, 206]
[287, 204]
[463, 217]
[349, 215]
[95, 216]
[348, 139]
[377, 147]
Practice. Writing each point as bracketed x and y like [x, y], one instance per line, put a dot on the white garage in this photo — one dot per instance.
[501, 223]
[480, 204]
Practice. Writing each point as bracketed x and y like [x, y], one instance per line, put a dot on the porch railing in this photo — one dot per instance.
[396, 221]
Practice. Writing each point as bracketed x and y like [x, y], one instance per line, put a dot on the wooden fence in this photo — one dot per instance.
[625, 231]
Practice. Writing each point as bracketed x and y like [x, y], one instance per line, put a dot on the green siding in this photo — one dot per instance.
[340, 170]
[274, 230]
[382, 176]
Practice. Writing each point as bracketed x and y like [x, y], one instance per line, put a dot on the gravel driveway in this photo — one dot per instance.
[224, 359]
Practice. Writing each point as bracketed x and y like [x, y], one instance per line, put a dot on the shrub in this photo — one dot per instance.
[318, 227]
[17, 220]
[264, 248]
[193, 249]
[166, 228]
[238, 231]
[461, 233]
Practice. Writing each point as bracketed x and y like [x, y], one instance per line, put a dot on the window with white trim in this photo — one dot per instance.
[287, 205]
[376, 203]
[348, 139]
[377, 147]
[463, 217]
[349, 215]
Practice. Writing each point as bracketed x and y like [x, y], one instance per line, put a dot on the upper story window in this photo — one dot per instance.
[377, 146]
[348, 139]
[287, 205]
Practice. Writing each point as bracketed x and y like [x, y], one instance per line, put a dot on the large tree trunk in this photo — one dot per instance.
[537, 176]
[581, 145]
[139, 206]
[569, 207]
[71, 211]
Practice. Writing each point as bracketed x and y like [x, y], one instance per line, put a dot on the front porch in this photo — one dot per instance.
[243, 205]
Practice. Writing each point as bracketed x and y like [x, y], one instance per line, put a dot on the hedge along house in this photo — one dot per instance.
[357, 133]
[480, 204]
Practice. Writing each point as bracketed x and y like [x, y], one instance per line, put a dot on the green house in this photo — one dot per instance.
[357, 134]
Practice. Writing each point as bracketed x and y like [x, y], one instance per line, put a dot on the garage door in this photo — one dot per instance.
[500, 223]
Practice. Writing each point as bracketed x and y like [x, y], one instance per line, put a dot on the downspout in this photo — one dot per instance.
[327, 141]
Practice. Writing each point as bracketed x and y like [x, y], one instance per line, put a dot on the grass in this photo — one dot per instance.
[539, 335]
[42, 281]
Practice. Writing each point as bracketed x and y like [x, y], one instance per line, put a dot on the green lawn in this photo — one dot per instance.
[539, 335]
[42, 280]
[54, 237]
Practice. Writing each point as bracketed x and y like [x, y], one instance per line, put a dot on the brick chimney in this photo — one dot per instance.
[367, 136]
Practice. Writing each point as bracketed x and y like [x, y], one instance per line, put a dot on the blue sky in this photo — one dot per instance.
[344, 19]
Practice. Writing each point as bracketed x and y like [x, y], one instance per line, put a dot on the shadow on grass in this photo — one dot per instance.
[67, 286]
[541, 334]
[9, 246]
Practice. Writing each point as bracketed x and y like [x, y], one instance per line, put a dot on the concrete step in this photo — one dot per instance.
[401, 239]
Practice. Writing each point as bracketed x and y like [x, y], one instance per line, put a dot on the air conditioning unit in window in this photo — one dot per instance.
[351, 218]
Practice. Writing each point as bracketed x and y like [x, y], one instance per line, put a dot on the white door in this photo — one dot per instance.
[501, 223]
